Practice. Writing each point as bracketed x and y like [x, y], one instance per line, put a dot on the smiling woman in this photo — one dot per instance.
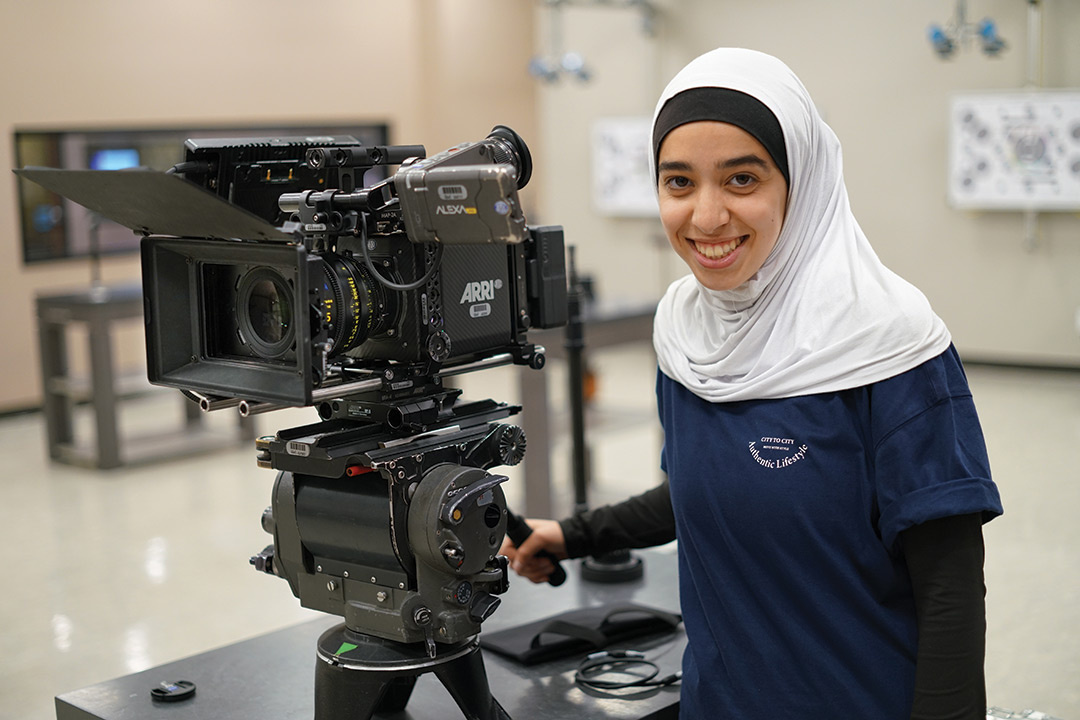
[722, 201]
[827, 475]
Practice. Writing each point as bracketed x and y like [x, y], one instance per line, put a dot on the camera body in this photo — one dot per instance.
[431, 267]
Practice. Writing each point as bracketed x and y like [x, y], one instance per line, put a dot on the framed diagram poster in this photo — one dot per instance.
[622, 180]
[1015, 150]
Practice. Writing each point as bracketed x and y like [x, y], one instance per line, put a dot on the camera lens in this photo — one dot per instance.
[264, 310]
[270, 311]
[354, 306]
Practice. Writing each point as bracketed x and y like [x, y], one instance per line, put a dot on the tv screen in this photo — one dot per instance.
[57, 229]
[114, 159]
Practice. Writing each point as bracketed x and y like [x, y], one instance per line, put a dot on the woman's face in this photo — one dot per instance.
[722, 201]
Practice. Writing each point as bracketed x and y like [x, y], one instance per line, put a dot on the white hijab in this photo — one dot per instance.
[822, 314]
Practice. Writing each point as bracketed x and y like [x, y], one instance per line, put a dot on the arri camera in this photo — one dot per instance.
[274, 276]
[431, 267]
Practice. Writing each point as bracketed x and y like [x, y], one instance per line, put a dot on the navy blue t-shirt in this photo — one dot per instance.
[795, 594]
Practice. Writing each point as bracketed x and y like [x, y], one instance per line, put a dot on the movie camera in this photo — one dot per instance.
[274, 276]
[431, 267]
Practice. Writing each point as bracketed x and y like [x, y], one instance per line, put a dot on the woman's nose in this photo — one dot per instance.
[711, 212]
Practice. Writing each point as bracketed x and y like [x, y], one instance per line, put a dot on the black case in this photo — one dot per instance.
[579, 631]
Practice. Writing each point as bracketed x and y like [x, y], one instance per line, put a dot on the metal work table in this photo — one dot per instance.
[99, 309]
[272, 676]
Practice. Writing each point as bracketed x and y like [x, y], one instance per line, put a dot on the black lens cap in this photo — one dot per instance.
[173, 691]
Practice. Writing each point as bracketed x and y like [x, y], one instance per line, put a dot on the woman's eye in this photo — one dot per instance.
[677, 182]
[743, 180]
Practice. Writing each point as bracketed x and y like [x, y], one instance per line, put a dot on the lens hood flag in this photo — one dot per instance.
[155, 203]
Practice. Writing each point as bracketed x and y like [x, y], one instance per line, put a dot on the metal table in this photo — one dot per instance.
[272, 676]
[99, 309]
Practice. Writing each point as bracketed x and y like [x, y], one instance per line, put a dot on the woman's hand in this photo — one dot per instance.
[546, 535]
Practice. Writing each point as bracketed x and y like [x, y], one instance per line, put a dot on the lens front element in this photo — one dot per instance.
[264, 311]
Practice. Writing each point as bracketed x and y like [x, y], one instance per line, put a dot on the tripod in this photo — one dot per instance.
[358, 675]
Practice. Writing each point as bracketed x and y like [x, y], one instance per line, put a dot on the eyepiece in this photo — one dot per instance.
[509, 148]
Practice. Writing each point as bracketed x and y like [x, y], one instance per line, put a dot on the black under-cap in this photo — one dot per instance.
[722, 105]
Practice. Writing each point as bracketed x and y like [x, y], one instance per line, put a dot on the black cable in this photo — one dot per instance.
[182, 168]
[389, 283]
[620, 662]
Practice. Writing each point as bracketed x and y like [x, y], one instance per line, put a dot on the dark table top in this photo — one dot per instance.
[272, 676]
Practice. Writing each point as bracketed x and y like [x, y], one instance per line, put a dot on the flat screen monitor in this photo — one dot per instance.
[53, 228]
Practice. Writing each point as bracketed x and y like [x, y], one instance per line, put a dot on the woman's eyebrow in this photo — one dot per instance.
[683, 166]
[674, 166]
[743, 160]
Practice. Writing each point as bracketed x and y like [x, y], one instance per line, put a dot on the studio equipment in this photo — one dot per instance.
[274, 276]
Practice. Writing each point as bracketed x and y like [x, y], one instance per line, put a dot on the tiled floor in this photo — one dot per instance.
[104, 574]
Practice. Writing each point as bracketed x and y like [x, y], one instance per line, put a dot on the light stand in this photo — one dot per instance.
[619, 565]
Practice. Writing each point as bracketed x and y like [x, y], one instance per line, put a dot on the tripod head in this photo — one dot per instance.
[384, 513]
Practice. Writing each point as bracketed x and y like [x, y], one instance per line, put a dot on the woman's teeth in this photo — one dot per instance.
[715, 251]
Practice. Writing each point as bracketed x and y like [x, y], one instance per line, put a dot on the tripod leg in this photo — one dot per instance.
[343, 694]
[467, 682]
[397, 694]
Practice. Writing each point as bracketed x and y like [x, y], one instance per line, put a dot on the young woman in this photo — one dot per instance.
[827, 477]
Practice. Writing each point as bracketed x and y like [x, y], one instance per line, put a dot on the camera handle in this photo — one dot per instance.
[519, 531]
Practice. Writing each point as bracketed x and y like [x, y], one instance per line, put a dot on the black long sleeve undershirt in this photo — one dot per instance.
[945, 563]
[645, 520]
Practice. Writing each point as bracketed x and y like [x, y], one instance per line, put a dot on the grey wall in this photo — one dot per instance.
[871, 71]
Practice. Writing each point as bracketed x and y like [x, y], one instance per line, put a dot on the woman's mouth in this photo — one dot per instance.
[720, 250]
